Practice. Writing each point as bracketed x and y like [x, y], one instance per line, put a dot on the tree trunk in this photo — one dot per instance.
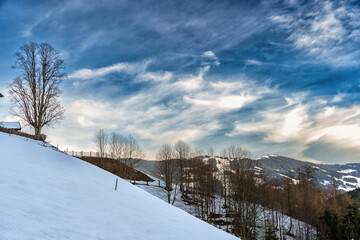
[37, 130]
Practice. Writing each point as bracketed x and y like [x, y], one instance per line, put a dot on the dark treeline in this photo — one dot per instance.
[230, 193]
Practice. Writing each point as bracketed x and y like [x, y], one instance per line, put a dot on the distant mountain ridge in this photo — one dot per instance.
[346, 176]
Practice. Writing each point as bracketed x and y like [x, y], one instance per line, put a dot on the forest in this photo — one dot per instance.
[248, 196]
[229, 186]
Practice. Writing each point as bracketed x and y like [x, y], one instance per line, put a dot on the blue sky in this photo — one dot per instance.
[276, 77]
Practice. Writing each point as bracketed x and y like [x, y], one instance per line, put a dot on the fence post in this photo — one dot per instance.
[116, 184]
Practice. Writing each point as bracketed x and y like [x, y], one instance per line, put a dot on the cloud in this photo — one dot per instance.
[329, 152]
[159, 76]
[323, 30]
[130, 68]
[193, 82]
[229, 102]
[43, 15]
[165, 110]
[338, 98]
[281, 18]
[28, 31]
[306, 123]
[210, 58]
[253, 62]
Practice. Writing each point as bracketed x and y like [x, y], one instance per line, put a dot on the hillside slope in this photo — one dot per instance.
[46, 194]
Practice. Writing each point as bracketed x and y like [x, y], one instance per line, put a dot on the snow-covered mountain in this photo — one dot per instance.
[46, 194]
[346, 176]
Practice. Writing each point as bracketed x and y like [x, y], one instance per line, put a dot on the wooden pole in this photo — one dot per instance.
[116, 184]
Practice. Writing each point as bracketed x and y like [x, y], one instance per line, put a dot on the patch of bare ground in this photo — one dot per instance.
[118, 168]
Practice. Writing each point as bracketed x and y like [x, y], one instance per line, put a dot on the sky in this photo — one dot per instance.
[275, 77]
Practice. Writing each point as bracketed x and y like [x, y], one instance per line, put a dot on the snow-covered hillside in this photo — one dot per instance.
[263, 213]
[46, 194]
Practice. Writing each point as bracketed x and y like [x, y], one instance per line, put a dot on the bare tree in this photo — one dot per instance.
[117, 145]
[197, 152]
[166, 167]
[236, 152]
[211, 152]
[35, 93]
[245, 197]
[224, 153]
[182, 153]
[204, 188]
[101, 142]
[133, 151]
[113, 145]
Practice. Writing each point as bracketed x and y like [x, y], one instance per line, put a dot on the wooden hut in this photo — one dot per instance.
[11, 125]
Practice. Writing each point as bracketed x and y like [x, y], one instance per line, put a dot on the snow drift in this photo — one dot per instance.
[46, 194]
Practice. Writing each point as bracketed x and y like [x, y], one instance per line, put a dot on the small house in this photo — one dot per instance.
[11, 125]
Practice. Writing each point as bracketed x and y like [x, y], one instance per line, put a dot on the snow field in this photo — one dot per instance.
[46, 194]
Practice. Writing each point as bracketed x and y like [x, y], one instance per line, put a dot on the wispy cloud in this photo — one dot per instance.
[129, 68]
[338, 98]
[323, 30]
[305, 123]
[229, 102]
[210, 58]
[253, 62]
[165, 111]
[43, 15]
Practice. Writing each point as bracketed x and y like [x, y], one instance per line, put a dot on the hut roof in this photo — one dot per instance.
[11, 125]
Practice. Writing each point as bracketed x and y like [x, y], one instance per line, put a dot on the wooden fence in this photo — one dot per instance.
[86, 154]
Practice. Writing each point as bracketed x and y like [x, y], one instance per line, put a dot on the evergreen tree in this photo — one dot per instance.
[331, 225]
[351, 223]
